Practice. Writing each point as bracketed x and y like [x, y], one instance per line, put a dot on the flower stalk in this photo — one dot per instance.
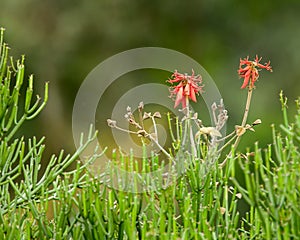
[188, 86]
[249, 71]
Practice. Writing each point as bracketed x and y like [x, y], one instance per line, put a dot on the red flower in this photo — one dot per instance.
[187, 88]
[249, 70]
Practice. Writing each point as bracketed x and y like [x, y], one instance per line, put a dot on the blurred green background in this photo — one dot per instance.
[64, 40]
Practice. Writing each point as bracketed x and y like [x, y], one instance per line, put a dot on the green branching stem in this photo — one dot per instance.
[55, 168]
[30, 114]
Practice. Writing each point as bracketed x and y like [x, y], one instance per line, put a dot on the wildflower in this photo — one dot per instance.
[187, 88]
[249, 70]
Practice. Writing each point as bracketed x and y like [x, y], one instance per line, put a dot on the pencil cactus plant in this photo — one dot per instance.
[22, 184]
[201, 203]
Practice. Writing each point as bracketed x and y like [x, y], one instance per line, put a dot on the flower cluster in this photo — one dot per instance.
[249, 71]
[187, 88]
[207, 141]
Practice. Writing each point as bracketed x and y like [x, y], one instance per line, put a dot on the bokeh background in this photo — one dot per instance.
[64, 40]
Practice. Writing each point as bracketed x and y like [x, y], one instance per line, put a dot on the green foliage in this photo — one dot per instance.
[195, 205]
[12, 79]
[272, 178]
[23, 186]
[198, 203]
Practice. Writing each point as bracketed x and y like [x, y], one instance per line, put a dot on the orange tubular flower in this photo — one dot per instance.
[187, 88]
[249, 71]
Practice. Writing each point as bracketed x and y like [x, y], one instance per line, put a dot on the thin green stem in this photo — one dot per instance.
[244, 121]
[189, 127]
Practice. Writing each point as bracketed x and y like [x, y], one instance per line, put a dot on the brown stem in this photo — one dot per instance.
[247, 107]
[160, 147]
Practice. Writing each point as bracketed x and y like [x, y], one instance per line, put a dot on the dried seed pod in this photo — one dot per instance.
[131, 121]
[195, 116]
[249, 127]
[238, 195]
[222, 210]
[142, 133]
[214, 106]
[239, 130]
[146, 115]
[111, 123]
[212, 131]
[157, 115]
[256, 122]
[141, 106]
